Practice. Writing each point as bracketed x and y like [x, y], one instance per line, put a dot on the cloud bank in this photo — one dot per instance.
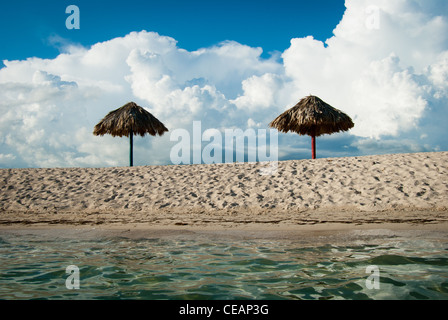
[386, 66]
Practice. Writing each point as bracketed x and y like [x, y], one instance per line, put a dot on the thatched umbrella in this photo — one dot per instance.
[313, 117]
[130, 120]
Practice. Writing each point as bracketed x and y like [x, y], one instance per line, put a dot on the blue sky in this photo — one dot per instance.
[227, 64]
[29, 28]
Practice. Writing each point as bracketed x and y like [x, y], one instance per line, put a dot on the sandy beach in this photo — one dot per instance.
[348, 193]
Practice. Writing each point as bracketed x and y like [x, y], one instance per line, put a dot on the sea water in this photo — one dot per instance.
[33, 267]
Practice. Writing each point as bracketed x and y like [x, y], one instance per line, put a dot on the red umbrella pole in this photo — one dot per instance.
[131, 148]
[313, 146]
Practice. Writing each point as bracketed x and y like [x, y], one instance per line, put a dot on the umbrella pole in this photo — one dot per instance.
[313, 147]
[131, 148]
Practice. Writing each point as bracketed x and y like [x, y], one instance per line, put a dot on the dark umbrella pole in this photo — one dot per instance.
[131, 149]
[313, 147]
[129, 120]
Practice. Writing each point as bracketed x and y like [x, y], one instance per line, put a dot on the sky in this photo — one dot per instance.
[33, 28]
[227, 64]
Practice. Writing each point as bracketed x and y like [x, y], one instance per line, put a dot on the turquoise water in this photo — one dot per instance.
[35, 268]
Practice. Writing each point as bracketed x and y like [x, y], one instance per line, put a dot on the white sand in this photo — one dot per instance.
[409, 188]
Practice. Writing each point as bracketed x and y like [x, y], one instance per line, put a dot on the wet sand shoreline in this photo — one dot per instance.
[393, 192]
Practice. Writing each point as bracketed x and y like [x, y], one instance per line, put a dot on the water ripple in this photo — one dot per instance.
[34, 268]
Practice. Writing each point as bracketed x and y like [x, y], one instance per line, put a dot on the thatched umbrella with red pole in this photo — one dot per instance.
[313, 117]
[128, 121]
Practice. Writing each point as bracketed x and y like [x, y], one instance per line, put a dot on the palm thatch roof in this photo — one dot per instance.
[130, 119]
[313, 117]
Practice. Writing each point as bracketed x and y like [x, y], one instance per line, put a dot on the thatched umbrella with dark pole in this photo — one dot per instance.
[313, 117]
[130, 120]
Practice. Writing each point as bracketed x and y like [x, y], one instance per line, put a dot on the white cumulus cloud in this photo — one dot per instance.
[386, 66]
